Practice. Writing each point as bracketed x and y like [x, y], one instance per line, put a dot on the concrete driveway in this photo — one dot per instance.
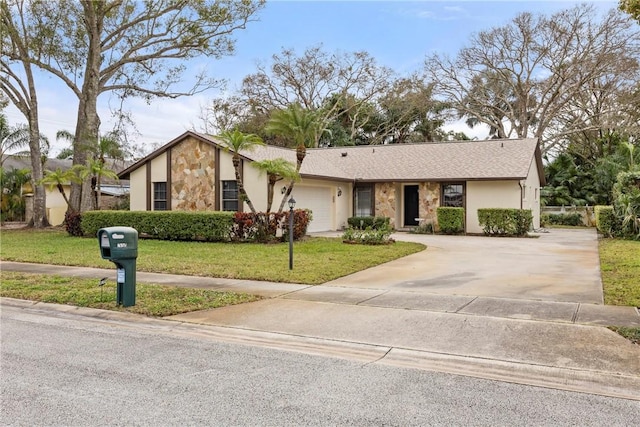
[561, 265]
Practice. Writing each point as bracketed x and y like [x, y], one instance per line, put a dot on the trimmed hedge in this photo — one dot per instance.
[364, 222]
[505, 222]
[450, 220]
[206, 226]
[606, 221]
[571, 219]
[164, 225]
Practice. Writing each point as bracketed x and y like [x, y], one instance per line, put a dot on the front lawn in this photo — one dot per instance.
[620, 267]
[151, 300]
[316, 260]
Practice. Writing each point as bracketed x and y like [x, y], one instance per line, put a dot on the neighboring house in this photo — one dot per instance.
[405, 182]
[56, 207]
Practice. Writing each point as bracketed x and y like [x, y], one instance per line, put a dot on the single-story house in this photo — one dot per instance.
[112, 191]
[405, 182]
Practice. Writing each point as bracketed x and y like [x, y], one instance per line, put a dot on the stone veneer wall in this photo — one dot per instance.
[385, 200]
[429, 193]
[193, 176]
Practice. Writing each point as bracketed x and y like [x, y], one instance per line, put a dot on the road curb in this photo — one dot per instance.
[602, 383]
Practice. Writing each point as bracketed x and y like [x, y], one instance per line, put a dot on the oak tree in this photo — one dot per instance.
[126, 47]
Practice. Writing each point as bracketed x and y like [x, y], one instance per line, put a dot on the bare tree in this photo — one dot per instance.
[128, 47]
[518, 79]
[317, 80]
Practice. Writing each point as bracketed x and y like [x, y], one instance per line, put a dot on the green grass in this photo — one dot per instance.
[151, 300]
[316, 260]
[632, 334]
[620, 267]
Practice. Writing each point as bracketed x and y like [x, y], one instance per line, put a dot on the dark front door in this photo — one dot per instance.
[411, 210]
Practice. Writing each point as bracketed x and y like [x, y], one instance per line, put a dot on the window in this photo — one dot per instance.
[363, 201]
[229, 196]
[453, 195]
[159, 196]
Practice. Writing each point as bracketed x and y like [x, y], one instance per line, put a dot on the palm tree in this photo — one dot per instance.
[12, 200]
[301, 128]
[97, 170]
[237, 141]
[108, 146]
[11, 139]
[277, 170]
[58, 178]
[16, 138]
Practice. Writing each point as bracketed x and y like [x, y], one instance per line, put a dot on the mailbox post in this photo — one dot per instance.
[120, 246]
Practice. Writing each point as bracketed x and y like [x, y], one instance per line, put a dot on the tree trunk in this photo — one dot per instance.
[64, 196]
[272, 179]
[39, 219]
[301, 153]
[242, 192]
[88, 124]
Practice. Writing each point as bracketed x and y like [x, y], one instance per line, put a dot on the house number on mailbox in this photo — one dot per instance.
[122, 245]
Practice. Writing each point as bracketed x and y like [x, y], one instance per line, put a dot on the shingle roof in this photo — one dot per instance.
[442, 161]
[494, 159]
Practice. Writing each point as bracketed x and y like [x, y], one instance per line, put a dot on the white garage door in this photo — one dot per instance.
[318, 199]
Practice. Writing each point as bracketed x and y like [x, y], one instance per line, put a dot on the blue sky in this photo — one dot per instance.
[399, 34]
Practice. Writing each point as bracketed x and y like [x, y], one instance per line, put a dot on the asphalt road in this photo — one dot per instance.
[77, 370]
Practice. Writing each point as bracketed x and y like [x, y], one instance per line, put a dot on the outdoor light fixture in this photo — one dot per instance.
[339, 191]
[292, 204]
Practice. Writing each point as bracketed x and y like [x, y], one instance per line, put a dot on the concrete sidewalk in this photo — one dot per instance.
[543, 343]
[549, 311]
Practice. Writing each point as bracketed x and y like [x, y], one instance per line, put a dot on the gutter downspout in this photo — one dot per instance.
[522, 187]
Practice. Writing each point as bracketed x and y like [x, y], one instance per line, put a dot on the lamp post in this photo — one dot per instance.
[292, 204]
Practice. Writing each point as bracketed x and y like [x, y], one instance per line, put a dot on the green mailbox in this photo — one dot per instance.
[120, 246]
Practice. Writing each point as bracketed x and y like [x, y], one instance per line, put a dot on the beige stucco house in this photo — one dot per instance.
[403, 182]
[56, 206]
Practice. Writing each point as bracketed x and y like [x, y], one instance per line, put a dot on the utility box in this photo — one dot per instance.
[120, 246]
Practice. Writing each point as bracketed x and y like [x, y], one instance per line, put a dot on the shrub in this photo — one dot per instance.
[368, 236]
[73, 223]
[570, 219]
[606, 221]
[258, 227]
[505, 222]
[450, 220]
[301, 220]
[626, 203]
[164, 225]
[364, 222]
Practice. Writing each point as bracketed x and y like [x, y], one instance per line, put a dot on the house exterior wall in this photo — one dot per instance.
[193, 186]
[531, 196]
[389, 201]
[344, 204]
[138, 189]
[386, 199]
[159, 168]
[429, 193]
[489, 194]
[255, 183]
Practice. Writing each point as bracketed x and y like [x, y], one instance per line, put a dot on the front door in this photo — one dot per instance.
[411, 209]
